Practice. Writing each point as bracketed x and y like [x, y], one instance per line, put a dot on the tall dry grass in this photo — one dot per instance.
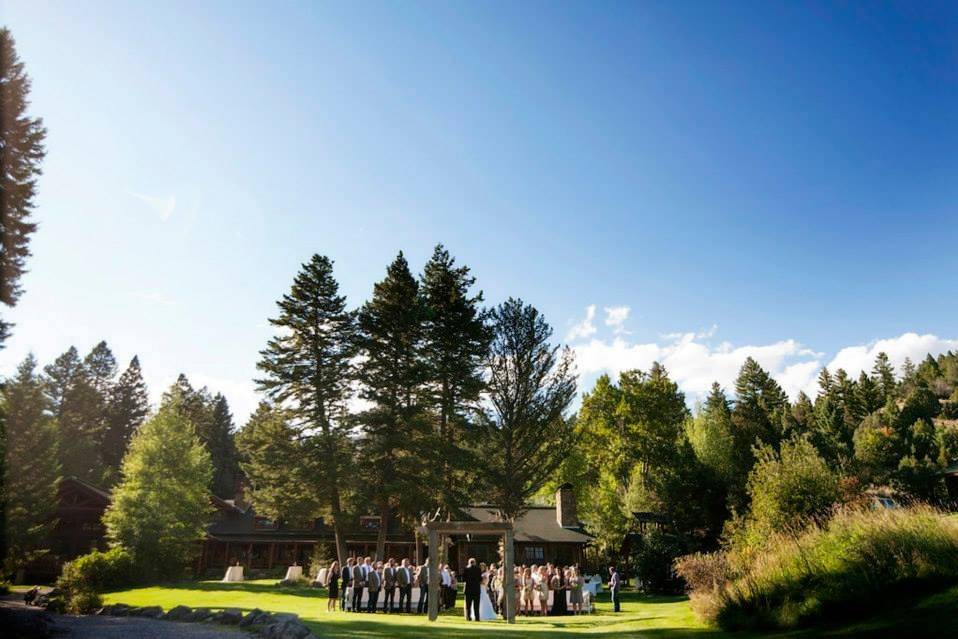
[855, 561]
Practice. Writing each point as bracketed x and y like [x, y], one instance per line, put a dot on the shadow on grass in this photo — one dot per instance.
[254, 588]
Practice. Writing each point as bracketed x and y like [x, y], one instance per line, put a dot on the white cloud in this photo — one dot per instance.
[615, 317]
[585, 328]
[694, 363]
[163, 206]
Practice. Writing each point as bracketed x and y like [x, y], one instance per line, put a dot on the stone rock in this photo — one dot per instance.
[179, 613]
[230, 616]
[250, 618]
[153, 612]
[200, 614]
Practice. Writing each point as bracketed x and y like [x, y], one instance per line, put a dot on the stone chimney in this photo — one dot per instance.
[565, 507]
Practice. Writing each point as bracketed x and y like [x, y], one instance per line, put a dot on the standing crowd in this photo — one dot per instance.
[394, 583]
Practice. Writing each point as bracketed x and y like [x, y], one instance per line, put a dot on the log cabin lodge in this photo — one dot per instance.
[237, 534]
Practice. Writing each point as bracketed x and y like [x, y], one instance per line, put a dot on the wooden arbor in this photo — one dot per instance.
[436, 528]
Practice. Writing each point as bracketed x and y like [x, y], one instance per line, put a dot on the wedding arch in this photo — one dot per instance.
[436, 528]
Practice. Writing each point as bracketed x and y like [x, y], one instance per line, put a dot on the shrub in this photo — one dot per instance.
[98, 572]
[4, 588]
[835, 569]
[655, 559]
[83, 602]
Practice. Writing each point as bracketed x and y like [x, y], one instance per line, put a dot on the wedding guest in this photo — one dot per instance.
[575, 590]
[389, 585]
[404, 578]
[332, 585]
[528, 587]
[614, 588]
[422, 582]
[453, 588]
[445, 585]
[359, 582]
[347, 585]
[374, 582]
[543, 591]
[560, 588]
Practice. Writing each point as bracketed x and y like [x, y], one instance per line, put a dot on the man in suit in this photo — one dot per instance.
[614, 587]
[422, 581]
[359, 583]
[389, 586]
[472, 576]
[404, 578]
[374, 582]
[347, 577]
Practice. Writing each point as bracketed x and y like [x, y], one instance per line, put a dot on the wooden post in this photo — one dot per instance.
[433, 575]
[508, 573]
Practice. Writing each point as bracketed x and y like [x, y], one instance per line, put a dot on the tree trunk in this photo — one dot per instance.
[381, 535]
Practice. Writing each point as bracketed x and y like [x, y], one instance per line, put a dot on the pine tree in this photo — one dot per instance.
[531, 385]
[31, 470]
[280, 490]
[161, 507]
[79, 409]
[757, 398]
[308, 367]
[222, 449]
[396, 441]
[101, 368]
[456, 344]
[869, 397]
[884, 374]
[128, 407]
[21, 152]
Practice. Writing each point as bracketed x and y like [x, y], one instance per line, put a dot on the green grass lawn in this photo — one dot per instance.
[641, 616]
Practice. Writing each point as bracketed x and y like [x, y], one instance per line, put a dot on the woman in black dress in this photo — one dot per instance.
[561, 587]
[332, 584]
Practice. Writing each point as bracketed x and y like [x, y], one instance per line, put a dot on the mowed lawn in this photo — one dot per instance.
[641, 616]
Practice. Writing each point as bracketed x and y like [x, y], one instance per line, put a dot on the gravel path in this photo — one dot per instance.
[136, 628]
[92, 627]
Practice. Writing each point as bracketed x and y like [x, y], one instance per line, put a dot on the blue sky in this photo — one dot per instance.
[774, 179]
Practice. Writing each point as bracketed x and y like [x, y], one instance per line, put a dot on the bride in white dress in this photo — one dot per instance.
[486, 611]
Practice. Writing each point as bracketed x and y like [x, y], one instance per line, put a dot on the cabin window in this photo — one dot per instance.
[535, 554]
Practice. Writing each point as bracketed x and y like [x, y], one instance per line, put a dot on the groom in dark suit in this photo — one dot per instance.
[472, 575]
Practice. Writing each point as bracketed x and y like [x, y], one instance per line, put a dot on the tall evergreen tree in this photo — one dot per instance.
[281, 490]
[396, 444]
[31, 469]
[884, 374]
[757, 417]
[21, 152]
[128, 407]
[222, 447]
[79, 409]
[456, 343]
[101, 368]
[308, 367]
[531, 385]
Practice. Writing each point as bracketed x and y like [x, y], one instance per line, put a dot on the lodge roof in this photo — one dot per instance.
[537, 524]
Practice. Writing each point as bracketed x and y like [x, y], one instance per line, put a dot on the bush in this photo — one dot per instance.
[83, 602]
[4, 588]
[835, 569]
[654, 562]
[98, 572]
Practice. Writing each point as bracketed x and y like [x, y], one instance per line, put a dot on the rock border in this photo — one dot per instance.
[269, 625]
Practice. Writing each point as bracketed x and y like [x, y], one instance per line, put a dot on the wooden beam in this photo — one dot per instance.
[433, 575]
[508, 573]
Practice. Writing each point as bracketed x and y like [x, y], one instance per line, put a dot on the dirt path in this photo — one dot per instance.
[68, 626]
